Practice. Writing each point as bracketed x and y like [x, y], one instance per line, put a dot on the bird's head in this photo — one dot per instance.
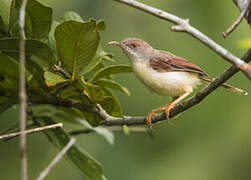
[135, 48]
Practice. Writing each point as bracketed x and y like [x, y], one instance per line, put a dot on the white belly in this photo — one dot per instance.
[165, 83]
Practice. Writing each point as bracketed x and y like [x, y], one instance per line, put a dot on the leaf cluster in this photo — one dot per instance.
[64, 59]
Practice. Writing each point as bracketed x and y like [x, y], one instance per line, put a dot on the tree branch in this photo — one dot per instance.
[7, 136]
[242, 4]
[56, 159]
[237, 21]
[22, 92]
[140, 120]
[183, 25]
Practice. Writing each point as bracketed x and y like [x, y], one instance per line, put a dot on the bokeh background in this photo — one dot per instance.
[209, 141]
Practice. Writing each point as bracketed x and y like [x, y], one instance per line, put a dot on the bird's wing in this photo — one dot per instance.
[168, 62]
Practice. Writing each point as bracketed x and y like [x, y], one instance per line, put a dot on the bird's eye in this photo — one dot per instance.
[132, 46]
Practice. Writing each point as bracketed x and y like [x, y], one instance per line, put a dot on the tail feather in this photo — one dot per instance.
[225, 85]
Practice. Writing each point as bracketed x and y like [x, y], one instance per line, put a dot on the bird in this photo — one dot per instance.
[164, 73]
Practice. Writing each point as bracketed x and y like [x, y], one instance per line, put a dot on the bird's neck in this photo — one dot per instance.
[140, 56]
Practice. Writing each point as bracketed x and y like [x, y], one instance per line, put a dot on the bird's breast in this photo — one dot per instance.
[165, 83]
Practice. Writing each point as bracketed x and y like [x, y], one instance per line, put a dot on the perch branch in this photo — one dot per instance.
[237, 21]
[183, 25]
[7, 136]
[22, 92]
[140, 120]
[44, 173]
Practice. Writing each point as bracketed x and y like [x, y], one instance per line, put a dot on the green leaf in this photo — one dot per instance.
[33, 48]
[9, 69]
[2, 28]
[111, 104]
[51, 37]
[126, 130]
[52, 79]
[244, 43]
[99, 56]
[36, 71]
[94, 92]
[4, 15]
[38, 19]
[113, 85]
[101, 25]
[109, 70]
[72, 16]
[56, 114]
[77, 44]
[7, 102]
[86, 165]
[108, 135]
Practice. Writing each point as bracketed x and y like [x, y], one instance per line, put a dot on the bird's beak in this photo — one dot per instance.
[115, 43]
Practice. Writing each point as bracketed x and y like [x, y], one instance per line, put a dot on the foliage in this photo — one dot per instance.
[64, 59]
[244, 43]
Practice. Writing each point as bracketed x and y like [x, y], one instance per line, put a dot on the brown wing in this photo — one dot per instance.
[167, 62]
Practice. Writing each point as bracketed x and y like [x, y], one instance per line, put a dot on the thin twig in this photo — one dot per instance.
[140, 120]
[22, 92]
[7, 136]
[236, 22]
[44, 173]
[59, 69]
[182, 25]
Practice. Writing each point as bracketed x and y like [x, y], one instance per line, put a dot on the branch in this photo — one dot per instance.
[242, 4]
[44, 173]
[237, 21]
[183, 25]
[58, 68]
[140, 120]
[22, 92]
[7, 136]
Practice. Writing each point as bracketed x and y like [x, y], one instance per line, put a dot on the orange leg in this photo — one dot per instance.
[165, 108]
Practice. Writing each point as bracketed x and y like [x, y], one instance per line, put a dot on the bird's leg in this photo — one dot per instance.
[165, 108]
[175, 101]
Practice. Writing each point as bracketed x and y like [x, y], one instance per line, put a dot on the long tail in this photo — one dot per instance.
[225, 85]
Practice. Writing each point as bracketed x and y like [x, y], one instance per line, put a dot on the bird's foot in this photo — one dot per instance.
[167, 111]
[150, 115]
[149, 119]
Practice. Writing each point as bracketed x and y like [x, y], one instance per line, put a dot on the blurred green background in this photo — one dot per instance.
[209, 141]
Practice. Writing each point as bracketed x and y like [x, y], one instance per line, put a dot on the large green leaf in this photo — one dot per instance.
[33, 48]
[36, 71]
[111, 104]
[71, 16]
[94, 92]
[99, 56]
[113, 85]
[86, 165]
[77, 44]
[109, 70]
[56, 114]
[7, 102]
[2, 28]
[4, 15]
[51, 37]
[9, 69]
[38, 19]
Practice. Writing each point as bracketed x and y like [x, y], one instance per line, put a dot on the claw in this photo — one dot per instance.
[167, 111]
[149, 120]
